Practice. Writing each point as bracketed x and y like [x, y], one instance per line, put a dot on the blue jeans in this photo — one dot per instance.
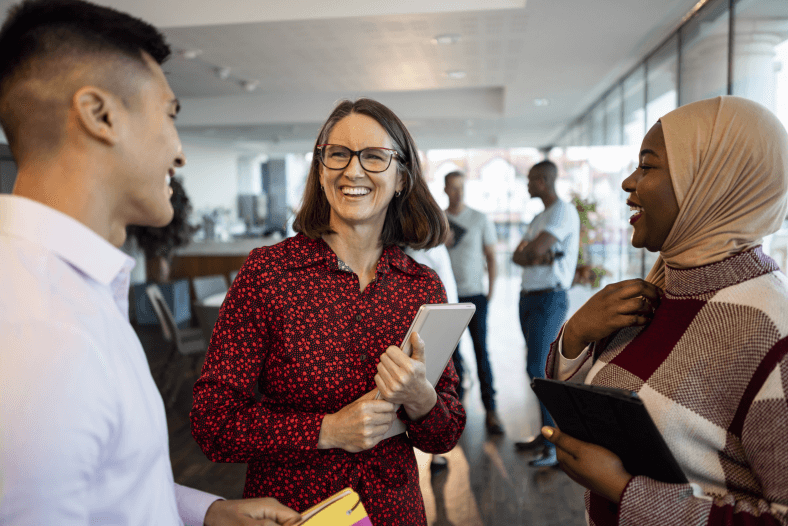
[541, 316]
[478, 329]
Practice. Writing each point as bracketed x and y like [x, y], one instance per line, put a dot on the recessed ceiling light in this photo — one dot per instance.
[446, 39]
[250, 85]
[222, 73]
[456, 74]
[191, 54]
[541, 102]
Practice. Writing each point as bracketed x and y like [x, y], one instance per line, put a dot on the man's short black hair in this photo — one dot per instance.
[549, 172]
[40, 40]
[548, 166]
[35, 28]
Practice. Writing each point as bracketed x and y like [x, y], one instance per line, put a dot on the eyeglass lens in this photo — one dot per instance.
[372, 159]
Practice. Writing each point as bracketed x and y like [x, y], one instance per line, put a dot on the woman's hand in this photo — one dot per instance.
[618, 305]
[591, 466]
[403, 380]
[358, 426]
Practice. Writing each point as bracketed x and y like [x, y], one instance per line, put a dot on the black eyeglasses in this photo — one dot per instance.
[374, 160]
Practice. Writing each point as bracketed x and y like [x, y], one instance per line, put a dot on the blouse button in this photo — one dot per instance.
[363, 357]
[358, 317]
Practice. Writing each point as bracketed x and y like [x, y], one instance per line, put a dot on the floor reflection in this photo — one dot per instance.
[488, 482]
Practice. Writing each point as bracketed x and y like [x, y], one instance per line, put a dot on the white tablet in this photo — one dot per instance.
[441, 327]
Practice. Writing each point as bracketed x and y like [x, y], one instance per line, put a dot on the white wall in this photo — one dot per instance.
[210, 177]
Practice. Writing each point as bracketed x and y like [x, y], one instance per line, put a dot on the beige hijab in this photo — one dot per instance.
[728, 159]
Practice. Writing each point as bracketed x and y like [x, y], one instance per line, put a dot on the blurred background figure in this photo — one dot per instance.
[437, 258]
[159, 243]
[472, 248]
[548, 255]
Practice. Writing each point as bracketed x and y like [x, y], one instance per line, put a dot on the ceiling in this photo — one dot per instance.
[303, 56]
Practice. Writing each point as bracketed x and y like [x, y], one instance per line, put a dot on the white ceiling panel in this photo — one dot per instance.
[298, 57]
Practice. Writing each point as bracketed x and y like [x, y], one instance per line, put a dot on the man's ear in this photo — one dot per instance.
[97, 112]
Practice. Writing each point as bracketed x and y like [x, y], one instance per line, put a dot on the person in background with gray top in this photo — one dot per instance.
[471, 245]
[548, 255]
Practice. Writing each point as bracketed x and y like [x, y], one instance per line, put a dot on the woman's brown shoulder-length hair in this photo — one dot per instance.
[413, 219]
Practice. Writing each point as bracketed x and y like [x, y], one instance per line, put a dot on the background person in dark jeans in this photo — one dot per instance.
[471, 246]
[548, 255]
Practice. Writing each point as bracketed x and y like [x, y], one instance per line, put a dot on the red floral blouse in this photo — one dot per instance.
[295, 325]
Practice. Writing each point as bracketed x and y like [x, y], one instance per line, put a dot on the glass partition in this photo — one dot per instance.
[704, 54]
[634, 112]
[614, 122]
[760, 73]
[662, 83]
[598, 125]
[692, 64]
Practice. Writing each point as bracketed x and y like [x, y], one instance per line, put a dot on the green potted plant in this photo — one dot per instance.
[590, 232]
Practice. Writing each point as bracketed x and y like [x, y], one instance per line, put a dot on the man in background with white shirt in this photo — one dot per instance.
[548, 255]
[89, 118]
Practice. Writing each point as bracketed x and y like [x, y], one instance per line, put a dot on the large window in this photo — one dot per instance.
[701, 59]
[662, 84]
[634, 107]
[704, 54]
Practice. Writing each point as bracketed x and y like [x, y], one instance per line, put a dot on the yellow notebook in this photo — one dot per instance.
[341, 509]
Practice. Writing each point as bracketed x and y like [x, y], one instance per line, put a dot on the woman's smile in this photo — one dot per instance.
[355, 191]
[638, 212]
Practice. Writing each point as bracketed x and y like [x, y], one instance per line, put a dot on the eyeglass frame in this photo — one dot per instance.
[357, 153]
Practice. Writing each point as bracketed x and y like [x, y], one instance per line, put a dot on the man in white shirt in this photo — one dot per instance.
[472, 251]
[89, 118]
[548, 255]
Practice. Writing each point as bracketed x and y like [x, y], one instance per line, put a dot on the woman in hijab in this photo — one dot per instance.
[703, 339]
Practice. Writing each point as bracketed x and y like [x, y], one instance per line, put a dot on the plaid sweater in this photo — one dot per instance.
[712, 369]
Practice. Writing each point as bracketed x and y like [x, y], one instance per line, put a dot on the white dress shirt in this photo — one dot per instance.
[83, 433]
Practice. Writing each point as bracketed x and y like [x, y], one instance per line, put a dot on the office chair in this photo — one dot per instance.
[188, 344]
[205, 286]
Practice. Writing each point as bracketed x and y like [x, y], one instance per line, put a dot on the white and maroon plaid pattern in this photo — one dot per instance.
[712, 369]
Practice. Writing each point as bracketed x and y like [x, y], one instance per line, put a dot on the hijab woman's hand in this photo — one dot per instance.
[618, 305]
[591, 466]
[402, 379]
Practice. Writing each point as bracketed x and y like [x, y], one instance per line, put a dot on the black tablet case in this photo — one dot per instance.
[615, 419]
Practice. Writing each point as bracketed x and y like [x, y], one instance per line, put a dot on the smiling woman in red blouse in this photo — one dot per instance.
[313, 323]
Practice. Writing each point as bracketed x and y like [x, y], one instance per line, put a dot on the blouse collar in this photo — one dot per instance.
[316, 251]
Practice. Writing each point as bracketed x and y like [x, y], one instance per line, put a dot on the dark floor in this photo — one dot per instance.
[487, 482]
